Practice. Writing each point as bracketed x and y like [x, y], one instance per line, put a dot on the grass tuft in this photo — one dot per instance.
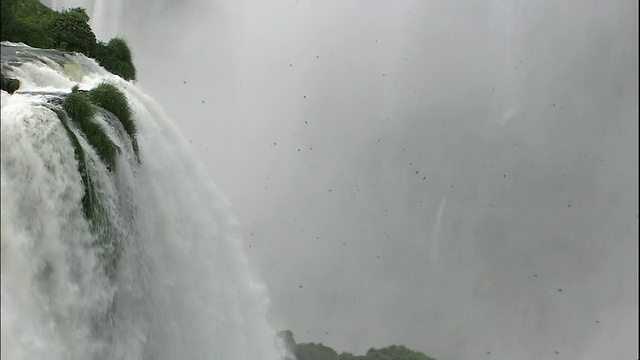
[108, 97]
[78, 106]
[115, 56]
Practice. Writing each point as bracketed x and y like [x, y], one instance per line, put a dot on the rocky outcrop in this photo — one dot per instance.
[8, 84]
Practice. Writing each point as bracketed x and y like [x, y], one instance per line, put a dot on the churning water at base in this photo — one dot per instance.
[181, 288]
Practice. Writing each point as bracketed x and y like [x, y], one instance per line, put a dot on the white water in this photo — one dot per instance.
[183, 288]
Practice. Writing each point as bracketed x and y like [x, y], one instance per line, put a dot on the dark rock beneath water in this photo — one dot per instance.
[8, 84]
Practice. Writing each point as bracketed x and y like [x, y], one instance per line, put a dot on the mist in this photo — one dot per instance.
[457, 177]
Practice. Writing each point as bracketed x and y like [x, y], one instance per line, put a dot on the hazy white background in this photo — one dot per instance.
[460, 177]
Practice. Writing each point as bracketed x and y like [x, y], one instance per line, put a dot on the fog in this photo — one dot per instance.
[457, 177]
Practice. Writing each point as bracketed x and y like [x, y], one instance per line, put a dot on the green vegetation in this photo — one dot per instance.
[93, 209]
[115, 56]
[34, 24]
[78, 106]
[108, 97]
[392, 352]
[70, 31]
[89, 199]
[312, 351]
[26, 21]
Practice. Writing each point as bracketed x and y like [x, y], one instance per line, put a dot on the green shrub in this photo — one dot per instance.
[313, 351]
[349, 356]
[5, 17]
[115, 56]
[36, 25]
[396, 352]
[108, 97]
[31, 34]
[79, 108]
[70, 31]
[26, 21]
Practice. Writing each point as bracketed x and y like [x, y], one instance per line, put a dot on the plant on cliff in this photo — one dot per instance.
[26, 21]
[34, 24]
[70, 31]
[78, 106]
[312, 351]
[115, 56]
[108, 97]
[89, 198]
[395, 352]
[92, 207]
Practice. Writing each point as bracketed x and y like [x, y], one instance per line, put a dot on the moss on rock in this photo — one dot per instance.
[92, 207]
[78, 106]
[108, 97]
[89, 198]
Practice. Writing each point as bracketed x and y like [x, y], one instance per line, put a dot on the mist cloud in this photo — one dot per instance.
[349, 135]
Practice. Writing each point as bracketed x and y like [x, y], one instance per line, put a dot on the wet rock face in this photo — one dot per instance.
[8, 84]
[13, 55]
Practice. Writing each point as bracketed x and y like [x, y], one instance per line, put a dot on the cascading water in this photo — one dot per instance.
[156, 272]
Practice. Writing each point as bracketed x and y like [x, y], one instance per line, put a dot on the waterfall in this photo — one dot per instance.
[156, 272]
